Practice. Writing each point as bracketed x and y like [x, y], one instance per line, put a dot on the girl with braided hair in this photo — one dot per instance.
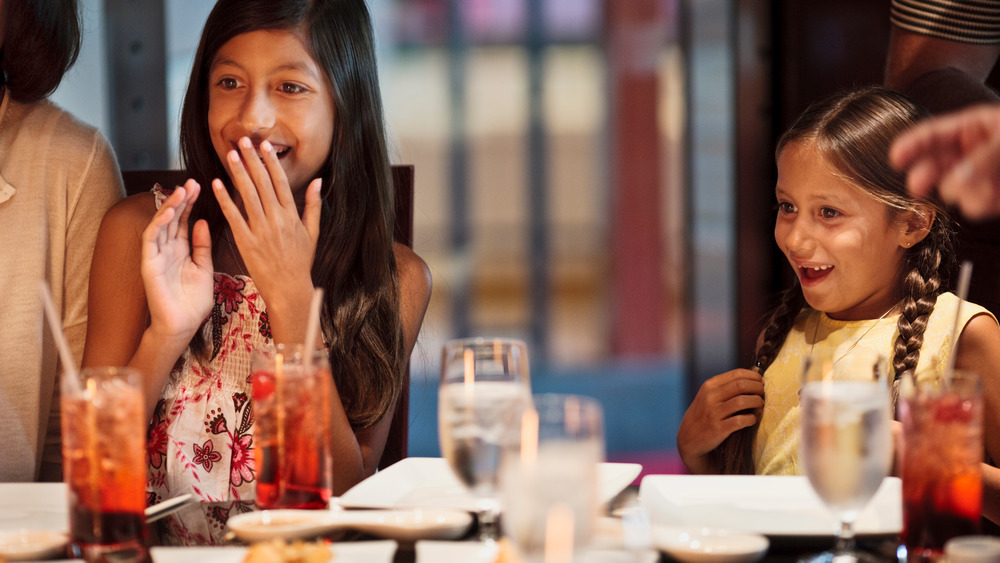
[871, 267]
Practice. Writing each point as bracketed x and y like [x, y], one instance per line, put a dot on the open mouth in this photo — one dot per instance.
[813, 273]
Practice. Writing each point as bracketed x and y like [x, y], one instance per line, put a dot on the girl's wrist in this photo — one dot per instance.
[288, 313]
[167, 339]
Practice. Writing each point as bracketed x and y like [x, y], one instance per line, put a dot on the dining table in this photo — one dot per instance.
[637, 514]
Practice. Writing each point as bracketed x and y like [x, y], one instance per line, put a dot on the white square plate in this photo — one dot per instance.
[429, 482]
[346, 552]
[773, 506]
[36, 506]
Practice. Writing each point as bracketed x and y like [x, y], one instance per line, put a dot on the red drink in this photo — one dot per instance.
[104, 464]
[292, 431]
[942, 478]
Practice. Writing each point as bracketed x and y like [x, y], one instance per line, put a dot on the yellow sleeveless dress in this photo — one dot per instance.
[777, 442]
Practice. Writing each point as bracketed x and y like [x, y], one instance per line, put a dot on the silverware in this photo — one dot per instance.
[169, 506]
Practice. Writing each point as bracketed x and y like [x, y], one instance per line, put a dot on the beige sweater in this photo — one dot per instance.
[57, 179]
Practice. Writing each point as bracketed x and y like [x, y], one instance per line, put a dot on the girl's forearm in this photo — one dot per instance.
[155, 358]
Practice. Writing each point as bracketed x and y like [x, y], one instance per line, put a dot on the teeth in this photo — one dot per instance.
[818, 268]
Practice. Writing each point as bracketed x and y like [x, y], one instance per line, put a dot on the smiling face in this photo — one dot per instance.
[843, 245]
[265, 85]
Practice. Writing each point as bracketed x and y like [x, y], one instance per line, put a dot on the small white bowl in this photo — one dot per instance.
[26, 545]
[709, 545]
[973, 549]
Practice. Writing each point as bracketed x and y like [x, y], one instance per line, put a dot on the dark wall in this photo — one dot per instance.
[789, 54]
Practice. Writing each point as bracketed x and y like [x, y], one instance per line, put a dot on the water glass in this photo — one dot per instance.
[484, 389]
[292, 436]
[104, 463]
[549, 486]
[846, 448]
[942, 451]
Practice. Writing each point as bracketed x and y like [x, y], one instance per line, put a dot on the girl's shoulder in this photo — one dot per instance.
[130, 215]
[414, 275]
[947, 306]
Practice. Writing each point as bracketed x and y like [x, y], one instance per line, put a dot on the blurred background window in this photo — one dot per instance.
[574, 181]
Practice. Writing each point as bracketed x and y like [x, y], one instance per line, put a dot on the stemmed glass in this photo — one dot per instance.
[483, 391]
[846, 447]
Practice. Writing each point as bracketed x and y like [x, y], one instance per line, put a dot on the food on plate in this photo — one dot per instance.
[279, 551]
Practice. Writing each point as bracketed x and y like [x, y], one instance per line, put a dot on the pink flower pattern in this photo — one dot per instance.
[206, 455]
[200, 440]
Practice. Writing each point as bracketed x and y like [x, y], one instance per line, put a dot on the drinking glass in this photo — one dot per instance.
[846, 446]
[549, 487]
[292, 435]
[483, 391]
[104, 463]
[942, 452]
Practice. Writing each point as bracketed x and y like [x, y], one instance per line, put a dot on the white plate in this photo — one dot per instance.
[406, 525]
[429, 482]
[27, 545]
[773, 506]
[455, 552]
[347, 552]
[709, 545]
[35, 506]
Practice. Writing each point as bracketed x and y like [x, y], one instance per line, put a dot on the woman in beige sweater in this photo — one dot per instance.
[57, 178]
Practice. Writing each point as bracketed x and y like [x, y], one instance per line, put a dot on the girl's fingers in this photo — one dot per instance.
[279, 181]
[314, 203]
[246, 188]
[194, 189]
[201, 246]
[164, 216]
[258, 175]
[229, 209]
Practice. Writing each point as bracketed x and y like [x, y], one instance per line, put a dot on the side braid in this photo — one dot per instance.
[922, 285]
[735, 454]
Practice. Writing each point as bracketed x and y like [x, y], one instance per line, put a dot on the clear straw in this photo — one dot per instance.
[964, 277]
[312, 328]
[55, 325]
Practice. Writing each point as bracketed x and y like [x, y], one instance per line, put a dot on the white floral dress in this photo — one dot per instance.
[201, 434]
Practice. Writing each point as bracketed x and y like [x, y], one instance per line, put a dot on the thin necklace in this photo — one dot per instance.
[856, 342]
[232, 251]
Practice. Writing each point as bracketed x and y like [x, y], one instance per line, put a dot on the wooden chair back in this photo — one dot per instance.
[138, 181]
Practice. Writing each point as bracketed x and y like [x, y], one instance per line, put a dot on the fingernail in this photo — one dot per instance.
[266, 146]
[234, 157]
[245, 143]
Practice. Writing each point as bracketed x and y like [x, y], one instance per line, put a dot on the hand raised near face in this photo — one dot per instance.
[716, 412]
[959, 154]
[276, 243]
[177, 273]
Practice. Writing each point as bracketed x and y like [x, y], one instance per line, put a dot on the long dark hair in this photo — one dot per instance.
[41, 40]
[853, 132]
[354, 261]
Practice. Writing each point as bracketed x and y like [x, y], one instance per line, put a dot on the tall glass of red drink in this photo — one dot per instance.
[942, 451]
[292, 428]
[104, 447]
